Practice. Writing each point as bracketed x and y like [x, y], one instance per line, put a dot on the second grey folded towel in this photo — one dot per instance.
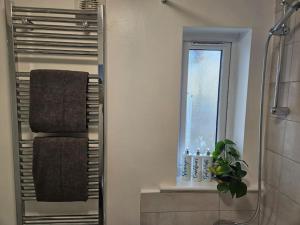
[58, 101]
[60, 169]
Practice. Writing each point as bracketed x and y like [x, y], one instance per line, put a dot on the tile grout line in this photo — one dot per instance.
[283, 156]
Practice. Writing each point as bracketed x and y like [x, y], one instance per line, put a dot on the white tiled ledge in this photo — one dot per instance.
[195, 187]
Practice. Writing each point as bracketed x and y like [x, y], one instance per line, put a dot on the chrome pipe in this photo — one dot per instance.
[27, 74]
[27, 82]
[29, 179]
[24, 89]
[26, 113]
[53, 19]
[55, 27]
[30, 185]
[89, 104]
[56, 44]
[58, 35]
[54, 11]
[31, 141]
[55, 52]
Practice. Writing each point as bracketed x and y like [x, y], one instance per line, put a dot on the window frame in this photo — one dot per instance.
[225, 48]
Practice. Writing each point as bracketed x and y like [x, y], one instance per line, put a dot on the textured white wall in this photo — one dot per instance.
[7, 198]
[144, 42]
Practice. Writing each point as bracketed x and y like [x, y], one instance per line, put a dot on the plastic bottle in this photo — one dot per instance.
[197, 167]
[206, 164]
[186, 171]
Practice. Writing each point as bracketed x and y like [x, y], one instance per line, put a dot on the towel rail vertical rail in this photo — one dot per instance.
[101, 132]
[20, 209]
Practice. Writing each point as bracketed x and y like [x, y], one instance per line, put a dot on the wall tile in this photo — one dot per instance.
[289, 179]
[168, 218]
[237, 216]
[272, 168]
[288, 211]
[295, 66]
[247, 202]
[290, 38]
[275, 134]
[189, 218]
[297, 28]
[292, 141]
[293, 102]
[149, 218]
[176, 202]
[277, 5]
[269, 206]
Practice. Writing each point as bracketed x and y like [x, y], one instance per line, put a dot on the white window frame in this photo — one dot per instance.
[223, 88]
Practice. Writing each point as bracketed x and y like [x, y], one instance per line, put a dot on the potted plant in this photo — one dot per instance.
[228, 169]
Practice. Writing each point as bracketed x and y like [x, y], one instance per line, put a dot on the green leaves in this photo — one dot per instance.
[223, 187]
[228, 169]
[238, 188]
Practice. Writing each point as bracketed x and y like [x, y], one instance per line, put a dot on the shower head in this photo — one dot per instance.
[294, 6]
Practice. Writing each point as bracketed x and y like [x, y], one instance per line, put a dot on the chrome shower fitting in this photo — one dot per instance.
[280, 27]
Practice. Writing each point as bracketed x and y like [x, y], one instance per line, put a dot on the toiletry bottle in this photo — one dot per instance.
[187, 161]
[206, 164]
[197, 167]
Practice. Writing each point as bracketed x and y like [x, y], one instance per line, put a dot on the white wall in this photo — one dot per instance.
[144, 42]
[7, 198]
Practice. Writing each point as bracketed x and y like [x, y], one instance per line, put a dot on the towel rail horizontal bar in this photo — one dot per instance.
[27, 74]
[30, 170]
[55, 52]
[89, 110]
[28, 153]
[53, 19]
[27, 148]
[89, 104]
[90, 121]
[34, 199]
[90, 176]
[19, 81]
[30, 156]
[28, 165]
[28, 192]
[26, 112]
[56, 44]
[39, 217]
[77, 223]
[31, 141]
[24, 90]
[91, 97]
[57, 35]
[54, 27]
[31, 185]
[55, 11]
[29, 179]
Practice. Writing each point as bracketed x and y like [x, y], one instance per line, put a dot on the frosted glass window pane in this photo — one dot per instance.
[202, 98]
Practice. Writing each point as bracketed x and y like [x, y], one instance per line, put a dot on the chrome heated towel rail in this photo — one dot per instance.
[55, 34]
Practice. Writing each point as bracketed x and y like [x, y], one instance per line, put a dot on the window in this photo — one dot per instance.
[204, 96]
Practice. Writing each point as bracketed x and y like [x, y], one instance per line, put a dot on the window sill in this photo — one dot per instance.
[200, 187]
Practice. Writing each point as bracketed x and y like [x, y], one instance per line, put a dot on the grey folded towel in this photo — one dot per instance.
[60, 169]
[58, 101]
